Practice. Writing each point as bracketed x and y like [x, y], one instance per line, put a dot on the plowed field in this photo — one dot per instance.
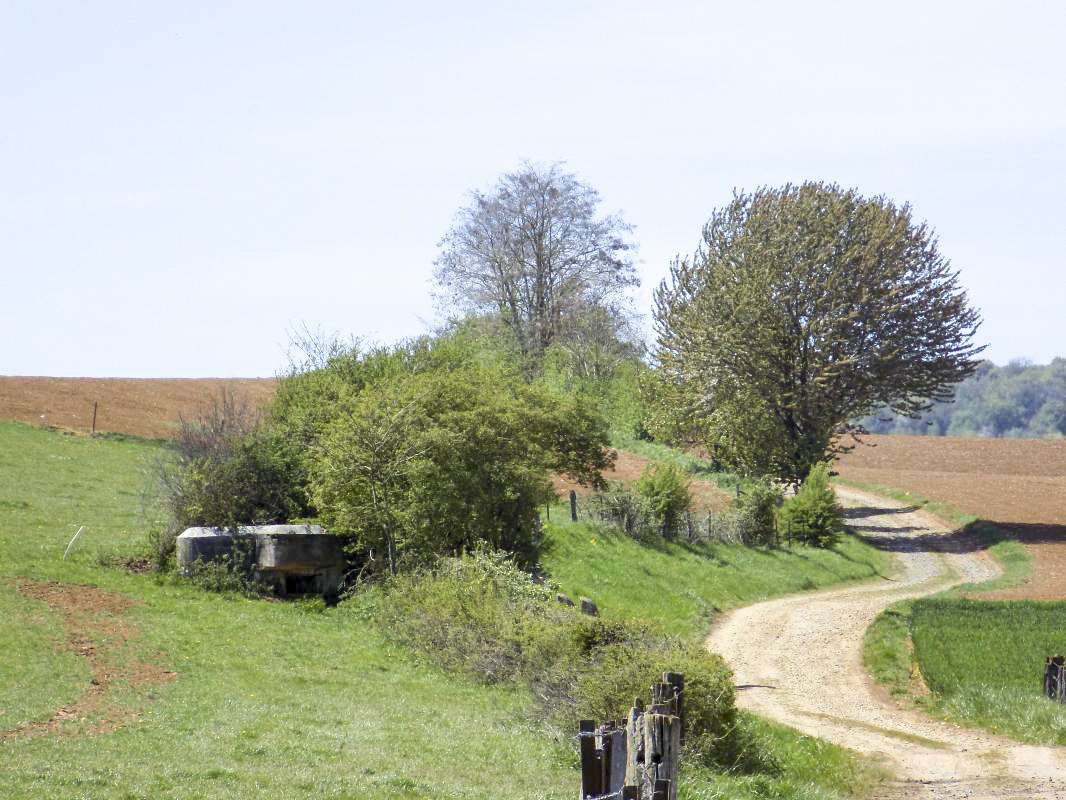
[1018, 483]
[149, 407]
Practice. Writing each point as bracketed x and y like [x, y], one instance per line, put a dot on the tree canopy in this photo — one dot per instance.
[1019, 399]
[533, 253]
[807, 307]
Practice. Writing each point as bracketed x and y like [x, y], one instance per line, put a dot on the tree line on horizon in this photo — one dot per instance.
[1020, 399]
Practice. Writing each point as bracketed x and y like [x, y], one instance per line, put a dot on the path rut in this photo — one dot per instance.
[798, 660]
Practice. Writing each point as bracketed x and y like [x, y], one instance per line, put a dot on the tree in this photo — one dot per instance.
[533, 252]
[437, 461]
[804, 308]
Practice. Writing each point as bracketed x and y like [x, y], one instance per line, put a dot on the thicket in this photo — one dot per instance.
[659, 504]
[432, 446]
[1019, 399]
[482, 615]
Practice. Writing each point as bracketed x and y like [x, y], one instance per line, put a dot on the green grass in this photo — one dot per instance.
[796, 766]
[680, 586]
[271, 699]
[984, 663]
[296, 700]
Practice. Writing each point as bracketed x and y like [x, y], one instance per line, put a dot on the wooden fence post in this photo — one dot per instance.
[591, 767]
[573, 506]
[639, 757]
[1055, 678]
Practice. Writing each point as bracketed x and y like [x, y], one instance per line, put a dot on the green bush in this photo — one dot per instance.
[813, 514]
[627, 510]
[439, 462]
[228, 469]
[482, 615]
[666, 490]
[751, 519]
[618, 673]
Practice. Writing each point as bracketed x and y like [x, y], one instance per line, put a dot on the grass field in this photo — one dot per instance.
[983, 662]
[127, 685]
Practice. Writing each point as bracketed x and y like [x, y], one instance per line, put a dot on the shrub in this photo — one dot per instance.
[666, 491]
[813, 514]
[482, 615]
[228, 470]
[627, 510]
[752, 517]
[618, 673]
[439, 461]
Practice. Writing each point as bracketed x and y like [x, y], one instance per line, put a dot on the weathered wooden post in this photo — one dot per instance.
[1054, 678]
[637, 759]
[591, 764]
[573, 506]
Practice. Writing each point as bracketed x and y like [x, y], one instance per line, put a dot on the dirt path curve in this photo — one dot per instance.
[798, 660]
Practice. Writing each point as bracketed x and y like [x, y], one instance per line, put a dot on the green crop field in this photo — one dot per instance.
[984, 662]
[145, 686]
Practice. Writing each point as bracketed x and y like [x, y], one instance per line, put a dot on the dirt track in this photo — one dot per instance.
[798, 660]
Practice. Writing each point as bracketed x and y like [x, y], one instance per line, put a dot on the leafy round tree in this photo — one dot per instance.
[805, 308]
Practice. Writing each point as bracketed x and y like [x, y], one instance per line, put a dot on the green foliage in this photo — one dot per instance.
[1018, 399]
[621, 672]
[626, 577]
[982, 661]
[625, 509]
[666, 490]
[481, 615]
[439, 461]
[657, 506]
[227, 575]
[807, 307]
[755, 512]
[228, 469]
[263, 700]
[813, 514]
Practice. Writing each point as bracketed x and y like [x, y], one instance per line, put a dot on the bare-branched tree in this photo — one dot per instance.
[534, 252]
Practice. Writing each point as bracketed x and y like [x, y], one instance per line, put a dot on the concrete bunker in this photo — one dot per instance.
[290, 559]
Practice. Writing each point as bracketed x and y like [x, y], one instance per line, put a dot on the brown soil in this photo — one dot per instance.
[1020, 484]
[96, 631]
[150, 407]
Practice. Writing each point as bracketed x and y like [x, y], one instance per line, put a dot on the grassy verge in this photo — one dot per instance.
[627, 578]
[269, 699]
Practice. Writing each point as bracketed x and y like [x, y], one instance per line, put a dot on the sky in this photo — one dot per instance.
[183, 184]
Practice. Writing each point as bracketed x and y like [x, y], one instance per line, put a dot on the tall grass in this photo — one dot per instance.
[984, 663]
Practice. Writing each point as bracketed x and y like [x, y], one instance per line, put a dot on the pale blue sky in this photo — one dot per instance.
[181, 182]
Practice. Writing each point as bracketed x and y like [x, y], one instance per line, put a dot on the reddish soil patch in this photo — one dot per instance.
[97, 632]
[628, 468]
[149, 407]
[1020, 484]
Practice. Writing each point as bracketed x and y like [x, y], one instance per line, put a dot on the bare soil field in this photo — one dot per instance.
[148, 407]
[1020, 484]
